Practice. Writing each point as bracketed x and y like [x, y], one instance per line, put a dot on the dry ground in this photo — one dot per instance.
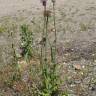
[76, 27]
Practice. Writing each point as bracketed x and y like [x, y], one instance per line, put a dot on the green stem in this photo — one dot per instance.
[55, 32]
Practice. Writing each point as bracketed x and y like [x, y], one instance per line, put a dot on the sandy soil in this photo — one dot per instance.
[76, 19]
[8, 7]
[12, 6]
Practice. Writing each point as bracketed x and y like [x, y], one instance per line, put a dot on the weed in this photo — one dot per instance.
[83, 27]
[2, 29]
[26, 42]
[50, 78]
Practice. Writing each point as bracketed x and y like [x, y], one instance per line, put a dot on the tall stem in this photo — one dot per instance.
[55, 31]
[44, 41]
[45, 49]
[43, 36]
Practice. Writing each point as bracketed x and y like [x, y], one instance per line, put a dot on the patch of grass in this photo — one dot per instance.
[2, 29]
[83, 27]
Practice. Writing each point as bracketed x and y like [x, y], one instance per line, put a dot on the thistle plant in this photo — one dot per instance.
[44, 2]
[16, 75]
[50, 81]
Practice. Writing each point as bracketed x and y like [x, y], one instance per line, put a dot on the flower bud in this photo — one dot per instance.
[53, 1]
[44, 2]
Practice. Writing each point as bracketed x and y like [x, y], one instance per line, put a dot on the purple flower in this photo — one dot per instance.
[53, 1]
[44, 2]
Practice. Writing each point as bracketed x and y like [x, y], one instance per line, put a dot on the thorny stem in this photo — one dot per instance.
[44, 21]
[15, 59]
[14, 53]
[44, 41]
[55, 32]
[45, 37]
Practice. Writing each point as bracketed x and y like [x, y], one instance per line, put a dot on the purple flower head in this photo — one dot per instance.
[44, 2]
[53, 1]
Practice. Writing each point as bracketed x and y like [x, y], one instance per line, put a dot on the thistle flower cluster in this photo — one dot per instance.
[53, 1]
[44, 2]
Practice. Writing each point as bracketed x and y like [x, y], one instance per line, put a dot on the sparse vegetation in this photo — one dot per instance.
[38, 64]
[26, 42]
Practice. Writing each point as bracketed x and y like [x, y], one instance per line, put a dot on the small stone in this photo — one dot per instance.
[81, 73]
[95, 61]
[83, 66]
[77, 66]
[93, 89]
[93, 54]
[72, 85]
